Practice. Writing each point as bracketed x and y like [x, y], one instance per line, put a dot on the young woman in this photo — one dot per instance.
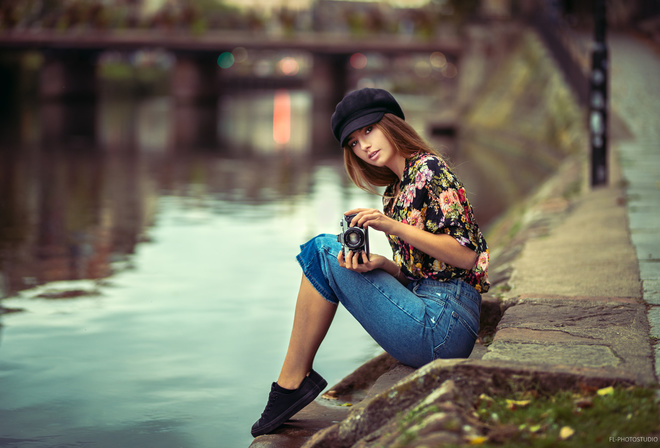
[419, 306]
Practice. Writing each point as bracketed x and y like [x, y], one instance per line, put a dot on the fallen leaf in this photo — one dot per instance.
[512, 405]
[535, 428]
[484, 397]
[566, 432]
[605, 391]
[477, 440]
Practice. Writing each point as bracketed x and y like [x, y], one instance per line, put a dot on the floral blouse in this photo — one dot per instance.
[432, 198]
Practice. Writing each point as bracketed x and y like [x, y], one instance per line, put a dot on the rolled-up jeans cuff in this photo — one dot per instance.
[314, 267]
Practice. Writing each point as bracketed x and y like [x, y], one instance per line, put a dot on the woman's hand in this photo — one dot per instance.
[375, 261]
[370, 217]
[352, 261]
[439, 246]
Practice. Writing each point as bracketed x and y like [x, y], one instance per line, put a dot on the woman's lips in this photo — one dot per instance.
[374, 155]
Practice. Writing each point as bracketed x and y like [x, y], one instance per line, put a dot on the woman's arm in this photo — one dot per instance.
[439, 246]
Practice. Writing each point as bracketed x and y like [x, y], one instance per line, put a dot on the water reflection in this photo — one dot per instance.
[70, 210]
[185, 342]
[157, 279]
[284, 119]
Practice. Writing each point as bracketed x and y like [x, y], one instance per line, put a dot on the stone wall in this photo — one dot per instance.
[534, 128]
[519, 119]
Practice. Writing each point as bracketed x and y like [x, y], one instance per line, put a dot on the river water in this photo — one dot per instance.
[149, 277]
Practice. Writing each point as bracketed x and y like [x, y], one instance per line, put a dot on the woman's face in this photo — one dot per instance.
[370, 144]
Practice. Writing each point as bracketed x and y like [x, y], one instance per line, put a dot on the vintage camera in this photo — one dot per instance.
[355, 239]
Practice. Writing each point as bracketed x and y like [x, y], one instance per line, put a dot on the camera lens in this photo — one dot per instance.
[353, 238]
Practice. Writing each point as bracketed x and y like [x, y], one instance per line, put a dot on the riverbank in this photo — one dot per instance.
[575, 279]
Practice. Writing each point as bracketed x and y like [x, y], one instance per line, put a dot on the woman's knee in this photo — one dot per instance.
[326, 242]
[319, 246]
[316, 259]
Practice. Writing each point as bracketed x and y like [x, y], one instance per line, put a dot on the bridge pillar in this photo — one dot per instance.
[68, 88]
[195, 78]
[11, 90]
[328, 85]
[195, 89]
[69, 74]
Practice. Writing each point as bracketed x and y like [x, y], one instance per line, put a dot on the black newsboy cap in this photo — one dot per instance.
[361, 108]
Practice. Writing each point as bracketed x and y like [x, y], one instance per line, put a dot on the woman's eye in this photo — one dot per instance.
[368, 129]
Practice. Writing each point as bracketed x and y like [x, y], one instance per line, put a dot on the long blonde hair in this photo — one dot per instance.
[406, 142]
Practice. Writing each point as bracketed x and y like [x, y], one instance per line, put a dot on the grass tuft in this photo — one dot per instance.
[612, 416]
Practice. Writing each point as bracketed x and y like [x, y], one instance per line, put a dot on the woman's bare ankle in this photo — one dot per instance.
[291, 382]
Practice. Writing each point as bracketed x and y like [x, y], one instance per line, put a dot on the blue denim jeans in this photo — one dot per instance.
[415, 324]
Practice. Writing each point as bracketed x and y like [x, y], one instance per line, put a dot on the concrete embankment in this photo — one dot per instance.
[566, 310]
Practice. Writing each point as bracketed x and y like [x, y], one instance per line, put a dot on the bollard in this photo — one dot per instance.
[598, 98]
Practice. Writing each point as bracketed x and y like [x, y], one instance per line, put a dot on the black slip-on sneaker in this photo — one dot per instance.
[282, 406]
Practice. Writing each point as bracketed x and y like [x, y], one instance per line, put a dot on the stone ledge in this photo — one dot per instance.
[369, 422]
[595, 332]
[538, 336]
[324, 424]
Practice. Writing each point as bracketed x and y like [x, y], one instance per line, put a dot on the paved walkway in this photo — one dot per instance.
[590, 264]
[635, 97]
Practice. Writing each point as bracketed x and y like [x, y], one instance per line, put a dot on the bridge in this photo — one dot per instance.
[69, 67]
[212, 41]
[72, 55]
